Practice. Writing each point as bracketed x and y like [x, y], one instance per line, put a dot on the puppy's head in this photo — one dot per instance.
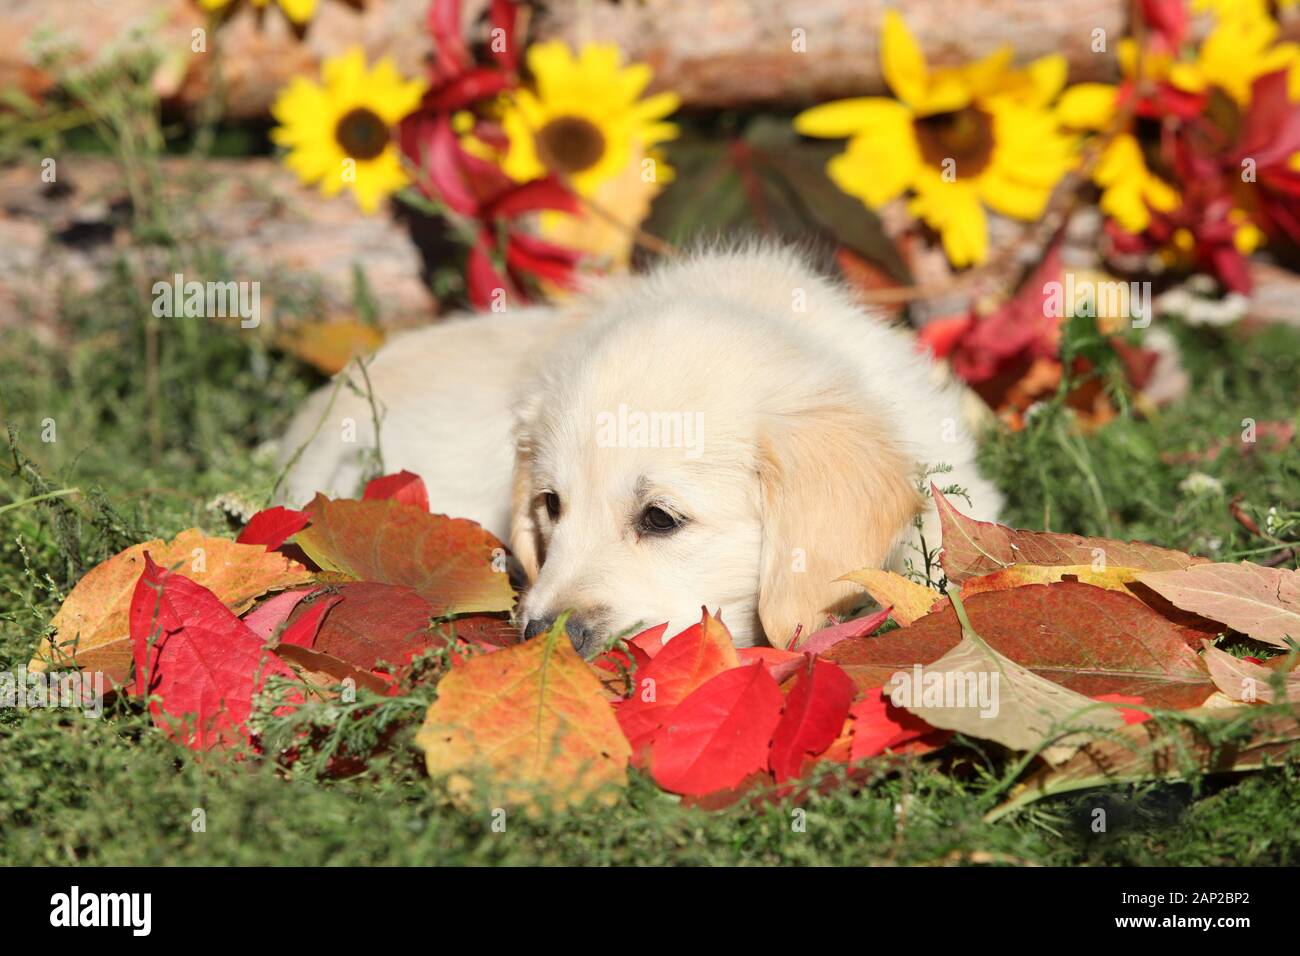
[696, 456]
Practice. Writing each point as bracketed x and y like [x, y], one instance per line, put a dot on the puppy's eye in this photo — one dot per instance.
[657, 521]
[552, 502]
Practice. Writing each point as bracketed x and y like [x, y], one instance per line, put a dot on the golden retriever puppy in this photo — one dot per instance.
[729, 431]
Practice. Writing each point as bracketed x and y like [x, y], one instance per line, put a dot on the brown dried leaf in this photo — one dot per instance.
[972, 548]
[1146, 752]
[1261, 602]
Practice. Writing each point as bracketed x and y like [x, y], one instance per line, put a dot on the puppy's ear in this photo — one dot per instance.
[837, 492]
[525, 536]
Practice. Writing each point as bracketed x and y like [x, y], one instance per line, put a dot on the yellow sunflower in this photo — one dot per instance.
[586, 120]
[299, 11]
[341, 133]
[1239, 49]
[958, 138]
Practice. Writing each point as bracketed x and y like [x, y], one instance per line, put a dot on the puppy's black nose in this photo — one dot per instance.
[581, 635]
[537, 625]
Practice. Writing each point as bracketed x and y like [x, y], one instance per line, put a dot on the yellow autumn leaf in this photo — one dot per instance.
[908, 599]
[531, 721]
[1111, 578]
[330, 345]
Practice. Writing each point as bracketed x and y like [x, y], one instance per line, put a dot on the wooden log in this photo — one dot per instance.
[714, 53]
[742, 52]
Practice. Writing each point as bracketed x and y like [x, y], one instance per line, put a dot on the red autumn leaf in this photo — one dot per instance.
[450, 562]
[1130, 715]
[687, 661]
[474, 85]
[722, 799]
[1167, 19]
[324, 670]
[984, 350]
[444, 24]
[640, 650]
[814, 712]
[942, 335]
[504, 15]
[485, 282]
[819, 642]
[1087, 639]
[272, 527]
[547, 193]
[267, 616]
[304, 627]
[651, 640]
[403, 486]
[719, 734]
[972, 548]
[879, 726]
[442, 161]
[532, 256]
[199, 662]
[487, 631]
[1271, 127]
[368, 623]
[779, 663]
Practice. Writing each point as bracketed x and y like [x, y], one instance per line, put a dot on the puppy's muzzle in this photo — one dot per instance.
[585, 637]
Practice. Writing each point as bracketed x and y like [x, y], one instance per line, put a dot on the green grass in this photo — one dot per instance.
[153, 422]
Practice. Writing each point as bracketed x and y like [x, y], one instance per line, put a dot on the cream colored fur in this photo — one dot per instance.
[815, 419]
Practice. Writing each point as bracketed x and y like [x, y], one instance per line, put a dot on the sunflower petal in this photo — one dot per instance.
[299, 11]
[841, 118]
[1013, 197]
[655, 107]
[1088, 106]
[902, 62]
[954, 210]
[553, 68]
[873, 171]
[1047, 75]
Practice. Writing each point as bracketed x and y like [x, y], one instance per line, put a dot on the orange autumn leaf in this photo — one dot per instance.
[452, 563]
[329, 346]
[92, 630]
[1110, 578]
[531, 721]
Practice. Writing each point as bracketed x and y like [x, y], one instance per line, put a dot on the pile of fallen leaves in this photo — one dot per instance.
[1057, 647]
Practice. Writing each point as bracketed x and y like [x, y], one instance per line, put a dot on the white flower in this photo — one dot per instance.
[1199, 483]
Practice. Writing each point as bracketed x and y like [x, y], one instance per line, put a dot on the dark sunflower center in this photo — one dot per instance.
[361, 134]
[963, 136]
[570, 144]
